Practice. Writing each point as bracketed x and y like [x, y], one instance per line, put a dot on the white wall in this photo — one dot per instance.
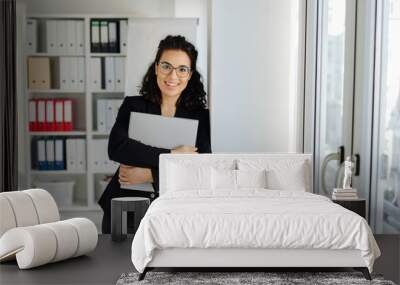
[254, 75]
[145, 8]
[197, 9]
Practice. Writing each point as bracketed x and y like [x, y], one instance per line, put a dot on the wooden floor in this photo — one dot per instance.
[110, 259]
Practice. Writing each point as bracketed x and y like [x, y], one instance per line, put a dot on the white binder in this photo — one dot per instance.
[110, 74]
[73, 72]
[71, 37]
[64, 73]
[80, 154]
[123, 33]
[31, 36]
[80, 38]
[61, 37]
[51, 36]
[50, 154]
[80, 73]
[70, 145]
[101, 115]
[95, 71]
[119, 73]
[109, 115]
[99, 147]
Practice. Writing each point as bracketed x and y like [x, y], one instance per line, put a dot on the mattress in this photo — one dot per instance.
[251, 219]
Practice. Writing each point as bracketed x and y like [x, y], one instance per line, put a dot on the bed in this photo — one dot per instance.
[246, 211]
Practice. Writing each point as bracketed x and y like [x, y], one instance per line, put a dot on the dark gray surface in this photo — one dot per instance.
[135, 205]
[102, 266]
[110, 259]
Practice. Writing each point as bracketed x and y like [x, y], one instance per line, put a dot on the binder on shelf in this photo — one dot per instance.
[80, 73]
[73, 72]
[103, 36]
[59, 115]
[101, 115]
[95, 68]
[95, 36]
[109, 114]
[119, 64]
[38, 73]
[31, 36]
[59, 154]
[70, 147]
[64, 67]
[41, 114]
[51, 36]
[50, 123]
[112, 37]
[123, 30]
[33, 121]
[110, 73]
[80, 154]
[41, 154]
[61, 42]
[67, 115]
[71, 37]
[80, 38]
[50, 154]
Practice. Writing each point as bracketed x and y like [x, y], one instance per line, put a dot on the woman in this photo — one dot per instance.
[171, 87]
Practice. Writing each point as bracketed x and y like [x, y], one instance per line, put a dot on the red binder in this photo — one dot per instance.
[33, 120]
[41, 115]
[59, 114]
[50, 122]
[67, 115]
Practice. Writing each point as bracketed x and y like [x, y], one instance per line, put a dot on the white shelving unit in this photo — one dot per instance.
[87, 189]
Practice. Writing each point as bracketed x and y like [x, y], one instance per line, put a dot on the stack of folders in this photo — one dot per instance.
[107, 110]
[100, 162]
[107, 73]
[108, 35]
[344, 194]
[50, 115]
[59, 154]
[59, 37]
[65, 73]
[71, 73]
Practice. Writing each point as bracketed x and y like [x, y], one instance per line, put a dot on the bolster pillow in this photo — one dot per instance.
[40, 244]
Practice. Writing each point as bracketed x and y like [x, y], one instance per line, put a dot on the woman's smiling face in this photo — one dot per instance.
[173, 72]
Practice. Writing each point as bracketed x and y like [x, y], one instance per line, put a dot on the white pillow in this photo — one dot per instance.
[223, 179]
[281, 173]
[182, 177]
[251, 178]
[287, 178]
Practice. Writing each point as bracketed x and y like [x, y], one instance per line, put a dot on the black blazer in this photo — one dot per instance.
[127, 151]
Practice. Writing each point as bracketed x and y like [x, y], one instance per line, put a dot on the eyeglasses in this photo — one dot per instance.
[182, 71]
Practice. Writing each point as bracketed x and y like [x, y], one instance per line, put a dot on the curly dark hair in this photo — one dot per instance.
[194, 96]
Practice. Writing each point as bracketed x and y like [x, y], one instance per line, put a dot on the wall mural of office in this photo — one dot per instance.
[81, 66]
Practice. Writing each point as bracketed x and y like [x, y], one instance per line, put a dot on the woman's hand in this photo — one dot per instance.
[134, 175]
[184, 149]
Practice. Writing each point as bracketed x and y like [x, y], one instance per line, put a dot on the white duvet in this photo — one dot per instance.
[251, 218]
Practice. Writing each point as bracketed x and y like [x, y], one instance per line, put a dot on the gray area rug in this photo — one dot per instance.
[229, 278]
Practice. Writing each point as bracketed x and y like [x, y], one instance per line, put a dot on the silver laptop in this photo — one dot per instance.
[162, 132]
